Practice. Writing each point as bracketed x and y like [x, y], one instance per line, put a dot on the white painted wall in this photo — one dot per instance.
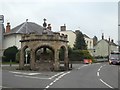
[101, 49]
[12, 40]
[89, 42]
[71, 37]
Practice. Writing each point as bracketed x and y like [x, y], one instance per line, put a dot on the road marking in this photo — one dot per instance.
[56, 80]
[100, 68]
[56, 75]
[98, 74]
[98, 63]
[35, 74]
[47, 87]
[51, 83]
[106, 83]
[30, 77]
[82, 66]
[24, 73]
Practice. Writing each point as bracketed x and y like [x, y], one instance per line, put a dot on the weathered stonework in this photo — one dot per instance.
[34, 41]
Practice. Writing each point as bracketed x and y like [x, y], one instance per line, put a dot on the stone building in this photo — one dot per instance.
[39, 46]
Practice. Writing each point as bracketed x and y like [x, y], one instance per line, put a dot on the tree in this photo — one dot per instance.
[95, 39]
[10, 53]
[80, 42]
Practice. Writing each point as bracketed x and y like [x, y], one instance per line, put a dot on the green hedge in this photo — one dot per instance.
[10, 54]
[78, 55]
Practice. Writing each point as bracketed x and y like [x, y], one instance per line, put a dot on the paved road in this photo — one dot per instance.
[98, 75]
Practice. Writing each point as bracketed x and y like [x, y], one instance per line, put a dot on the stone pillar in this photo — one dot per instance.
[21, 62]
[56, 61]
[32, 59]
[66, 60]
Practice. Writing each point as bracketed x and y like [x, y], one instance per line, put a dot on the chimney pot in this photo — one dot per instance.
[109, 39]
[8, 27]
[112, 41]
[63, 28]
[49, 26]
[102, 35]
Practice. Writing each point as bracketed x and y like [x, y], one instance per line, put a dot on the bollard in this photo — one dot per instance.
[71, 65]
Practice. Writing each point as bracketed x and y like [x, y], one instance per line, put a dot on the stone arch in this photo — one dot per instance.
[44, 57]
[24, 57]
[53, 42]
[63, 56]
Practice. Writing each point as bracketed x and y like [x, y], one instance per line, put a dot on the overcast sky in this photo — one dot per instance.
[92, 17]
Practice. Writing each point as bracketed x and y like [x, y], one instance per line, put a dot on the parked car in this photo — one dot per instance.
[114, 58]
[87, 61]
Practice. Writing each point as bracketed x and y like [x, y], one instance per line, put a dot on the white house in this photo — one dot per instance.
[12, 37]
[72, 36]
[104, 47]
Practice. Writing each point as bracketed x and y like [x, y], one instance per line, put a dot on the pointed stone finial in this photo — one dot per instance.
[44, 24]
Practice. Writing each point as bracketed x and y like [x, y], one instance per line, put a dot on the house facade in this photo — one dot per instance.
[104, 47]
[72, 37]
[12, 37]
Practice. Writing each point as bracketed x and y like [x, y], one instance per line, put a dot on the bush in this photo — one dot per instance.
[78, 55]
[10, 54]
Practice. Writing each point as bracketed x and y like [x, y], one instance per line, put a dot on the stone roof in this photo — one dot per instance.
[28, 27]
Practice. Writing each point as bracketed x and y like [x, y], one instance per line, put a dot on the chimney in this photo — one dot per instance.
[49, 26]
[112, 41]
[63, 28]
[8, 27]
[102, 35]
[109, 39]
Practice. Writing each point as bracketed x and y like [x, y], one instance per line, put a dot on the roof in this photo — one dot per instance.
[86, 36]
[110, 43]
[28, 27]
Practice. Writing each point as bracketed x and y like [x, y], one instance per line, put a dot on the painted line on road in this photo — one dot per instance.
[98, 74]
[56, 75]
[98, 63]
[82, 66]
[24, 73]
[30, 77]
[56, 79]
[36, 77]
[100, 68]
[47, 87]
[106, 83]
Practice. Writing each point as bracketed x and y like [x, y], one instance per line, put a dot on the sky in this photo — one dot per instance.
[92, 17]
